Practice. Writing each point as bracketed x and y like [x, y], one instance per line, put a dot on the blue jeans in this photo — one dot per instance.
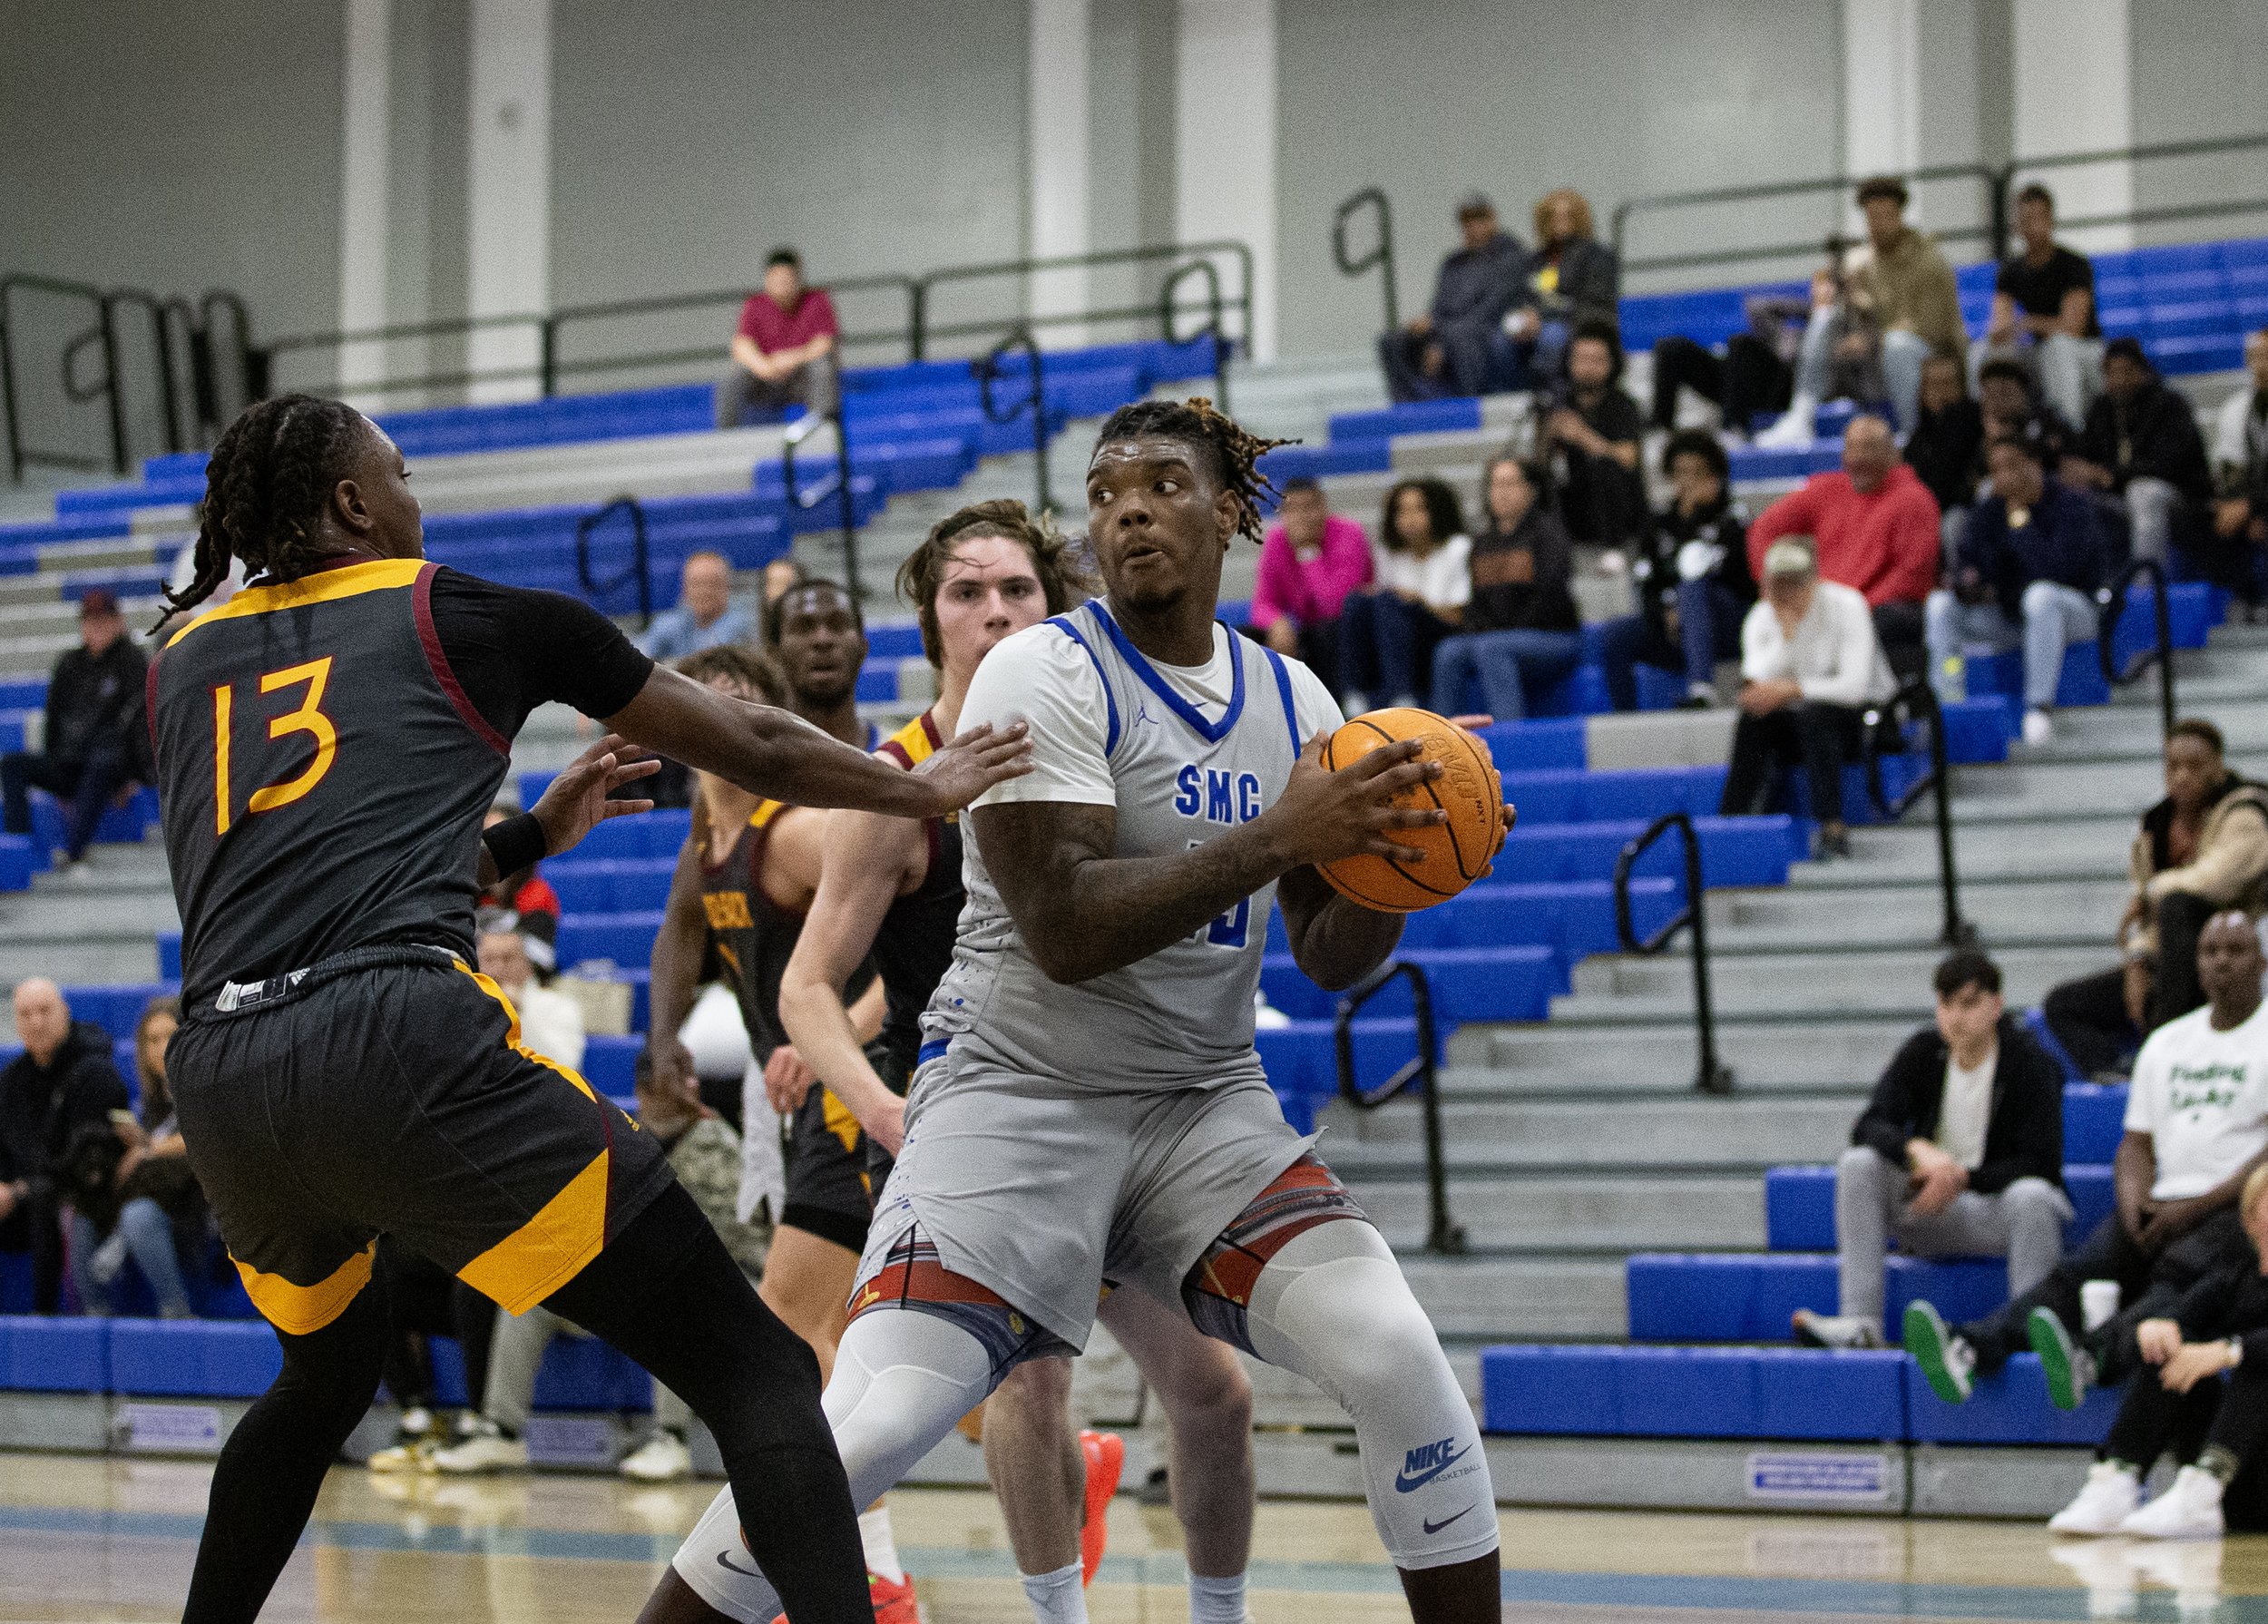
[1386, 646]
[149, 1242]
[1708, 628]
[1901, 355]
[88, 785]
[1507, 662]
[2055, 617]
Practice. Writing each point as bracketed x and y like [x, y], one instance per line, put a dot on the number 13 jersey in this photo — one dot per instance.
[1185, 754]
[327, 748]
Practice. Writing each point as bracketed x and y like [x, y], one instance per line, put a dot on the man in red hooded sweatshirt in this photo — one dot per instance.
[1875, 526]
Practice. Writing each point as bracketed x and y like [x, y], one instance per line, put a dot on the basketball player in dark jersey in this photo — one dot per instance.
[328, 743]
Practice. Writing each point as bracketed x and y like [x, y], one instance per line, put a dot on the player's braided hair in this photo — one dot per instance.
[1064, 579]
[1236, 451]
[266, 485]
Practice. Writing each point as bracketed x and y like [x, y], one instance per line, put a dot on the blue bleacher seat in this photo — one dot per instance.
[1528, 745]
[2011, 1407]
[1724, 1296]
[1468, 984]
[200, 1358]
[2094, 1120]
[1799, 1205]
[622, 938]
[1686, 1393]
[1734, 851]
[39, 1354]
[1303, 1065]
[607, 1063]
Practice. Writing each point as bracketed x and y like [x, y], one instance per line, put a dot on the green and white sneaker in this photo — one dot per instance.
[1948, 1363]
[2069, 1368]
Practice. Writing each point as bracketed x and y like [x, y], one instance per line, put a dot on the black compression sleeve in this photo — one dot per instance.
[511, 649]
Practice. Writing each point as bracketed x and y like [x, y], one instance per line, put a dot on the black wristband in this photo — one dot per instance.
[516, 843]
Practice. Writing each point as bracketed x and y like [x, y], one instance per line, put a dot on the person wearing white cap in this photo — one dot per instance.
[1810, 665]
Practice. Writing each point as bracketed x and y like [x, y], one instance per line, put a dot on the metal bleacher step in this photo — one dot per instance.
[1786, 1055]
[1856, 981]
[1521, 1298]
[2058, 912]
[1518, 1136]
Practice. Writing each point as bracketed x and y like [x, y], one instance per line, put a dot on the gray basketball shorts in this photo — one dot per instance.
[1041, 1191]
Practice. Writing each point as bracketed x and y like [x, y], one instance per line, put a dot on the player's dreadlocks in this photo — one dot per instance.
[1235, 450]
[266, 485]
[1064, 580]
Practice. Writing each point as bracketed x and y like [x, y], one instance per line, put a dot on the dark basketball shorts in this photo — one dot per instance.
[828, 1194]
[386, 1091]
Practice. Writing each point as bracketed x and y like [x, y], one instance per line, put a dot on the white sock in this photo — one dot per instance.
[882, 1546]
[1217, 1600]
[1056, 1598]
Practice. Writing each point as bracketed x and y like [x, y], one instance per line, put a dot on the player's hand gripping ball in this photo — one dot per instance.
[1457, 852]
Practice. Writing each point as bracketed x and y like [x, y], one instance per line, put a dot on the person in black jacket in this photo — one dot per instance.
[97, 743]
[1946, 442]
[1960, 1153]
[62, 1088]
[2141, 450]
[1456, 346]
[1521, 629]
[1690, 575]
[2215, 1428]
[1573, 278]
[1590, 431]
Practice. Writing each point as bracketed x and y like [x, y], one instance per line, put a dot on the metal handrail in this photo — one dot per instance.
[1240, 301]
[1994, 192]
[987, 370]
[1166, 293]
[639, 556]
[1917, 700]
[1382, 253]
[1712, 1077]
[21, 455]
[2027, 168]
[839, 486]
[2112, 600]
[1442, 1234]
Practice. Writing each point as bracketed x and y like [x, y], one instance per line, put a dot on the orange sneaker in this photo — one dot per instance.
[894, 1603]
[1106, 1462]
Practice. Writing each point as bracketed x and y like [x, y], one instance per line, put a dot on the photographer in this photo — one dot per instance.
[61, 1084]
[155, 1212]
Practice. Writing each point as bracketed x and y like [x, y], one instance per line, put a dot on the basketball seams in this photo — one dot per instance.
[1413, 892]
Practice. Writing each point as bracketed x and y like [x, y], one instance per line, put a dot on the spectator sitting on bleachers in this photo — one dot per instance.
[2219, 1327]
[1876, 527]
[1310, 560]
[1455, 347]
[1593, 429]
[1756, 373]
[1572, 280]
[550, 1023]
[162, 1217]
[61, 1089]
[2203, 848]
[1959, 1154]
[705, 1154]
[2196, 1126]
[2141, 449]
[705, 614]
[2029, 565]
[1810, 666]
[1520, 628]
[2009, 403]
[2043, 310]
[1388, 630]
[97, 745]
[527, 896]
[1901, 287]
[2240, 456]
[780, 574]
[783, 353]
[1691, 575]
[1946, 448]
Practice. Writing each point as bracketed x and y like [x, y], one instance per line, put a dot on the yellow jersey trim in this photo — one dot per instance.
[326, 586]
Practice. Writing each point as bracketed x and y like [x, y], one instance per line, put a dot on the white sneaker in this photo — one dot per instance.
[485, 1450]
[1813, 1329]
[2190, 1510]
[2040, 728]
[662, 1459]
[2109, 1497]
[1792, 432]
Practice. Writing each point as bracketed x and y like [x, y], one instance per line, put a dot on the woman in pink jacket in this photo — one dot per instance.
[1309, 563]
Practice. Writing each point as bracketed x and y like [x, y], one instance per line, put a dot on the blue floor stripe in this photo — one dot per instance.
[1886, 1599]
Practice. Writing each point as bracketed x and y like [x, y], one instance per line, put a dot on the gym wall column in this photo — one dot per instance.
[508, 189]
[365, 128]
[1056, 150]
[1881, 86]
[1225, 142]
[2073, 73]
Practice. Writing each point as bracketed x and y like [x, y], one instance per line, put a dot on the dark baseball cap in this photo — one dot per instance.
[1472, 203]
[98, 600]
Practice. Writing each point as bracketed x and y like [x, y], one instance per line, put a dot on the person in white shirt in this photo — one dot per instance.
[1810, 665]
[550, 1023]
[1389, 630]
[2196, 1128]
[1958, 1154]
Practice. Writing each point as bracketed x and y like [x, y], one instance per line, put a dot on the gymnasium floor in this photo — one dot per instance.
[86, 1538]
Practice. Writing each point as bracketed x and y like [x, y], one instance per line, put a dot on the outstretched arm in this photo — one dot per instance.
[1083, 912]
[675, 965]
[772, 753]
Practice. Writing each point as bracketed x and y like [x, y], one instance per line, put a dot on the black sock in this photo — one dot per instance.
[271, 1468]
[667, 1292]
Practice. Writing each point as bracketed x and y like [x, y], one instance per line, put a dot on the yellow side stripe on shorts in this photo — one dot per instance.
[301, 1310]
[837, 1118]
[549, 1250]
[511, 1038]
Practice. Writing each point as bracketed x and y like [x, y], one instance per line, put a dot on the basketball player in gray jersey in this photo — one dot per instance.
[1089, 1106]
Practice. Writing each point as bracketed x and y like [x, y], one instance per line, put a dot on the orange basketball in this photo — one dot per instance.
[1458, 851]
